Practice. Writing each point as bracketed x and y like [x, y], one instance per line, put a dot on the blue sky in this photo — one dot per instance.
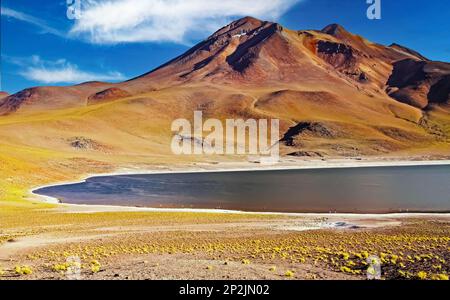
[114, 40]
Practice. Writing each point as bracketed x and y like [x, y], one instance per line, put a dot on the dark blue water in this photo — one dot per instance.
[367, 190]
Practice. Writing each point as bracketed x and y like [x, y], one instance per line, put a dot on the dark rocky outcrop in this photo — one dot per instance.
[108, 95]
[420, 83]
[308, 129]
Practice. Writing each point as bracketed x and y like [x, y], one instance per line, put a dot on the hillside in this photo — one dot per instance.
[336, 95]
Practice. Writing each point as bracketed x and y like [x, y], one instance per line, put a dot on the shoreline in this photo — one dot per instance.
[86, 208]
[246, 167]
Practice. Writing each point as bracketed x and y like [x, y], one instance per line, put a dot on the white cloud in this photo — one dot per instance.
[7, 12]
[68, 74]
[58, 71]
[120, 21]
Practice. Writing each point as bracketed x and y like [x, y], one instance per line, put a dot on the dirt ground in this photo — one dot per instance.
[152, 245]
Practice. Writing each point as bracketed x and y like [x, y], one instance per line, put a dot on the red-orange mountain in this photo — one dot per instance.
[335, 92]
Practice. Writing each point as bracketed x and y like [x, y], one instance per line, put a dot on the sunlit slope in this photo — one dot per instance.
[43, 147]
[335, 93]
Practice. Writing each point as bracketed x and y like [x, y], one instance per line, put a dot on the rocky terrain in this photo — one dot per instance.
[336, 94]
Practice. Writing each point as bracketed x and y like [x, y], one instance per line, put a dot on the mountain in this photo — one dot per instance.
[2, 96]
[335, 93]
[408, 51]
[420, 83]
[257, 52]
[50, 98]
[247, 51]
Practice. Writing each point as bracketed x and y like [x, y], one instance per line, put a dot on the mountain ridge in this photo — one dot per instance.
[230, 53]
[334, 92]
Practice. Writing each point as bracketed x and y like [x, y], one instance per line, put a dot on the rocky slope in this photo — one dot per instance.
[335, 93]
[420, 83]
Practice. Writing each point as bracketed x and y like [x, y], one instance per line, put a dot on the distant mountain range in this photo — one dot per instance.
[335, 93]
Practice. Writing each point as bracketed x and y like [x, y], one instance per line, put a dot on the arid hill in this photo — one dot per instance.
[420, 83]
[408, 51]
[3, 95]
[335, 93]
[108, 95]
[50, 98]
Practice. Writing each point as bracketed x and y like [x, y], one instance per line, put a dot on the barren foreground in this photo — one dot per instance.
[53, 243]
[337, 96]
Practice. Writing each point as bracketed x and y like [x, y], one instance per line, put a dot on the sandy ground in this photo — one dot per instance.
[38, 250]
[297, 222]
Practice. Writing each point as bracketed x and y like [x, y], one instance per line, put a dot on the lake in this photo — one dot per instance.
[342, 190]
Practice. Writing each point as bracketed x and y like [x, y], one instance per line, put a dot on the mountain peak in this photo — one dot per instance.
[247, 51]
[335, 30]
[408, 51]
[240, 26]
[249, 19]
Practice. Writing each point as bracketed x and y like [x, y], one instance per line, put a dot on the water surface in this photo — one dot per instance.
[363, 190]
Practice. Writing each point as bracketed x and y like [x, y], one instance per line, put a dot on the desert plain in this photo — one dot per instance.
[341, 101]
